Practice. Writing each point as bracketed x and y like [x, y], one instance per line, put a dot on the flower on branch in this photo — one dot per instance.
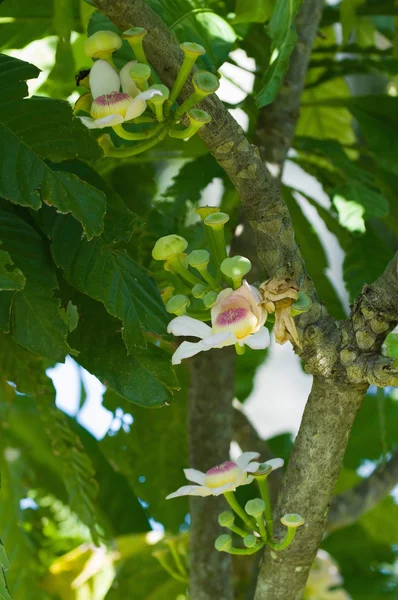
[236, 317]
[278, 296]
[110, 106]
[222, 478]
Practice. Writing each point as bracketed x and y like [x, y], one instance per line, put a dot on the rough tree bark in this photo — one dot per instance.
[211, 392]
[344, 358]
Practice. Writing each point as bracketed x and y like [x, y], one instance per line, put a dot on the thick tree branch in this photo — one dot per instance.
[347, 507]
[209, 434]
[277, 122]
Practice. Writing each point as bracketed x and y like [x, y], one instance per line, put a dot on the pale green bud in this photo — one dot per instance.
[205, 83]
[223, 543]
[255, 507]
[199, 259]
[301, 305]
[199, 290]
[192, 50]
[250, 541]
[168, 246]
[101, 44]
[236, 267]
[216, 220]
[210, 299]
[178, 304]
[292, 520]
[226, 519]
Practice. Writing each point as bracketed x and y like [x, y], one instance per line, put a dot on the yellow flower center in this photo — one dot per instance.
[115, 103]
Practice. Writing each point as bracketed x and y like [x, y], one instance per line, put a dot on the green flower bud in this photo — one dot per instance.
[205, 83]
[164, 91]
[226, 519]
[210, 299]
[301, 305]
[177, 305]
[250, 541]
[205, 211]
[263, 469]
[192, 50]
[199, 290]
[134, 33]
[216, 220]
[102, 44]
[168, 246]
[134, 36]
[198, 116]
[199, 259]
[255, 507]
[292, 520]
[223, 543]
[235, 268]
[140, 73]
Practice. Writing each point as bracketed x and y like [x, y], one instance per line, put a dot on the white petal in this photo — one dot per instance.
[228, 487]
[190, 490]
[195, 476]
[252, 467]
[186, 350]
[276, 463]
[128, 85]
[148, 94]
[248, 480]
[245, 458]
[138, 105]
[258, 340]
[219, 340]
[103, 79]
[108, 121]
[189, 327]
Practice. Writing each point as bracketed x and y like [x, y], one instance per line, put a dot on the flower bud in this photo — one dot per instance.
[223, 543]
[164, 93]
[134, 36]
[199, 259]
[301, 305]
[205, 83]
[177, 305]
[236, 267]
[192, 50]
[226, 519]
[292, 520]
[216, 220]
[210, 299]
[263, 469]
[168, 246]
[250, 541]
[205, 211]
[198, 117]
[140, 73]
[255, 507]
[102, 44]
[199, 290]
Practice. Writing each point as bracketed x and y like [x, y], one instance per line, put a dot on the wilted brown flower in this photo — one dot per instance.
[278, 296]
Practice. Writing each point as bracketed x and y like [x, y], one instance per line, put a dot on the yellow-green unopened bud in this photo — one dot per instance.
[292, 520]
[236, 267]
[140, 73]
[102, 44]
[226, 519]
[255, 507]
[192, 50]
[301, 305]
[214, 228]
[223, 543]
[158, 101]
[134, 36]
[210, 299]
[199, 290]
[205, 211]
[168, 246]
[177, 305]
[197, 118]
[250, 541]
[199, 259]
[216, 220]
[204, 83]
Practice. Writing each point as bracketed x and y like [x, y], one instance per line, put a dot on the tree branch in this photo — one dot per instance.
[277, 121]
[210, 398]
[349, 506]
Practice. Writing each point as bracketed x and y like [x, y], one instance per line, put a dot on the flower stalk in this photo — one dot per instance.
[191, 54]
[214, 228]
[204, 83]
[234, 504]
[199, 260]
[135, 36]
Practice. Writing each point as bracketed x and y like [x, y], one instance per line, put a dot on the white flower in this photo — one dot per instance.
[237, 318]
[111, 106]
[222, 478]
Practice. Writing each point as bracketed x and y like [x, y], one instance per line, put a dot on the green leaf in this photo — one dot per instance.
[13, 76]
[282, 32]
[253, 11]
[355, 202]
[150, 458]
[10, 278]
[348, 16]
[191, 180]
[4, 566]
[145, 377]
[314, 256]
[392, 345]
[111, 276]
[6, 299]
[26, 21]
[77, 470]
[36, 323]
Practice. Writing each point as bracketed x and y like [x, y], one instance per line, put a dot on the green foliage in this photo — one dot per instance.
[282, 32]
[4, 566]
[253, 11]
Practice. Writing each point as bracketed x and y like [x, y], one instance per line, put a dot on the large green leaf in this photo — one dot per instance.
[147, 444]
[26, 21]
[145, 377]
[36, 323]
[356, 202]
[190, 20]
[25, 178]
[110, 275]
[255, 11]
[4, 566]
[10, 278]
[282, 32]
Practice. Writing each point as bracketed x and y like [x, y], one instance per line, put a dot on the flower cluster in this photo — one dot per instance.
[256, 517]
[133, 96]
[219, 294]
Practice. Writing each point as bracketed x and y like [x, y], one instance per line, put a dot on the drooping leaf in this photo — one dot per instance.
[77, 469]
[36, 323]
[283, 34]
[148, 444]
[145, 377]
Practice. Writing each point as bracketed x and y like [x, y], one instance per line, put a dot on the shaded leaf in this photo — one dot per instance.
[282, 31]
[10, 278]
[253, 11]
